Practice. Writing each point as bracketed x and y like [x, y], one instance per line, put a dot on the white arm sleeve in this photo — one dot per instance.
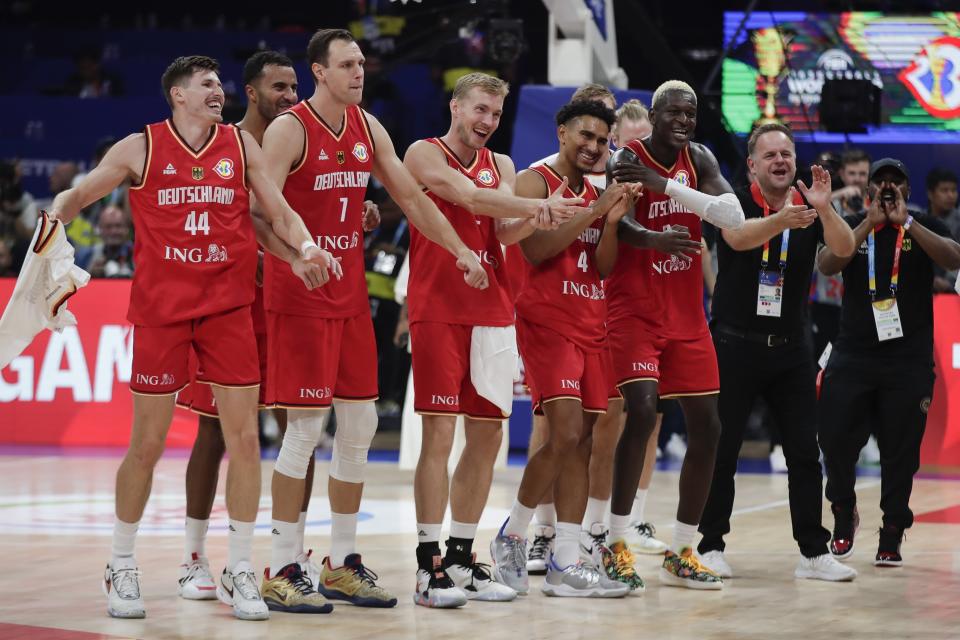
[723, 211]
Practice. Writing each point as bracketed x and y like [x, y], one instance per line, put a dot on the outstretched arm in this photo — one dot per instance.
[513, 230]
[124, 160]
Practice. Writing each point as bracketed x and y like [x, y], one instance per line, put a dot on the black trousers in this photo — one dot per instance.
[785, 377]
[892, 398]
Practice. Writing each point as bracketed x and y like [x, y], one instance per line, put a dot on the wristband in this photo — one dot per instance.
[907, 223]
[306, 245]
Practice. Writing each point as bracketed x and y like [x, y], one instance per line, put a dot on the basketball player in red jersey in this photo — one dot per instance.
[658, 332]
[321, 343]
[196, 255]
[463, 344]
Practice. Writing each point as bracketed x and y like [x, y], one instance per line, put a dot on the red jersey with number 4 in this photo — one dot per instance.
[437, 290]
[663, 290]
[194, 245]
[564, 293]
[327, 188]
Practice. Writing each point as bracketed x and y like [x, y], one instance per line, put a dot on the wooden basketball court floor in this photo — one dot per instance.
[56, 519]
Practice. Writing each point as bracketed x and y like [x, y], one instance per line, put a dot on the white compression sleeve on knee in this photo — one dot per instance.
[304, 428]
[356, 426]
[723, 211]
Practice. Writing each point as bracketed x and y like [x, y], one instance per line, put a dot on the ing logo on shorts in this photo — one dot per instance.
[224, 168]
[682, 177]
[360, 152]
[485, 177]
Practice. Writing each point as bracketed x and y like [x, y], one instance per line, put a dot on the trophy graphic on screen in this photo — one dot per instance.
[769, 44]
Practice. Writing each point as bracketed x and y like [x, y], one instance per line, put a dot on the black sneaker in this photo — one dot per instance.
[888, 551]
[845, 525]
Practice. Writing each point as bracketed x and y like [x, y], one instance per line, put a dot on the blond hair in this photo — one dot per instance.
[667, 87]
[482, 81]
[593, 91]
[632, 109]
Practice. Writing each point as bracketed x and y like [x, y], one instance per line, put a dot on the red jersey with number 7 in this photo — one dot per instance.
[194, 247]
[327, 188]
[564, 293]
[664, 291]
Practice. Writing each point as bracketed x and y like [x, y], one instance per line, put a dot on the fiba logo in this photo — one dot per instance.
[933, 77]
[224, 168]
[682, 177]
[835, 60]
[485, 177]
[360, 152]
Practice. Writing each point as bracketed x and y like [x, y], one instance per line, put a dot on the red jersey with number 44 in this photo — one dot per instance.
[663, 290]
[327, 188]
[194, 245]
[437, 291]
[564, 293]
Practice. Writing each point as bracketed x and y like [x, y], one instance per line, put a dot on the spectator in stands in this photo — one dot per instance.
[942, 198]
[854, 168]
[112, 255]
[18, 209]
[89, 80]
[117, 197]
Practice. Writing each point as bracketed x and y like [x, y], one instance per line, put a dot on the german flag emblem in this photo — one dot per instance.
[197, 173]
[341, 157]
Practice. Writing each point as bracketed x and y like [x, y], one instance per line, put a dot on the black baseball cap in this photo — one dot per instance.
[889, 162]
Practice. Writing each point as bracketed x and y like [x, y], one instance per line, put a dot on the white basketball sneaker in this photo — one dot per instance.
[476, 583]
[239, 590]
[824, 567]
[642, 539]
[122, 588]
[539, 550]
[714, 560]
[196, 581]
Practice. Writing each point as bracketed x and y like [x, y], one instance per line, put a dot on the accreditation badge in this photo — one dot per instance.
[886, 315]
[770, 293]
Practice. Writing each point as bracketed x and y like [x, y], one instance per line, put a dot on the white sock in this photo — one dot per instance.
[282, 545]
[428, 532]
[343, 537]
[639, 505]
[546, 514]
[566, 548]
[619, 527]
[240, 543]
[596, 512]
[195, 537]
[682, 536]
[124, 539]
[298, 547]
[520, 517]
[463, 530]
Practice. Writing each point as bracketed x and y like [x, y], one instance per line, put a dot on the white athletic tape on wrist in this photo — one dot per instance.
[723, 211]
[356, 426]
[306, 245]
[304, 429]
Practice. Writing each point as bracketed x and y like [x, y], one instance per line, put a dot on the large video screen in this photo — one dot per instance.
[778, 62]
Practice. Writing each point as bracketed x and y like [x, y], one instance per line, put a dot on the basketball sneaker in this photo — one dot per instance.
[435, 589]
[510, 561]
[122, 588]
[353, 583]
[592, 540]
[642, 539]
[685, 570]
[239, 590]
[888, 551]
[598, 556]
[196, 581]
[580, 580]
[716, 561]
[619, 564]
[291, 591]
[308, 566]
[845, 525]
[475, 581]
[824, 567]
[538, 553]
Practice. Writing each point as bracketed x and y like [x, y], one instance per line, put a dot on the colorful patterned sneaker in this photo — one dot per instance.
[643, 539]
[685, 570]
[122, 588]
[292, 592]
[716, 561]
[618, 562]
[538, 552]
[308, 566]
[475, 581]
[510, 561]
[196, 581]
[888, 551]
[845, 525]
[580, 580]
[435, 589]
[353, 583]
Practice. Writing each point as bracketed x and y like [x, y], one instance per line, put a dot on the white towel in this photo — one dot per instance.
[39, 301]
[494, 364]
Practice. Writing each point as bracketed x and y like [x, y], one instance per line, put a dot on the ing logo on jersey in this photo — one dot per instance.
[224, 168]
[197, 173]
[682, 177]
[485, 177]
[360, 152]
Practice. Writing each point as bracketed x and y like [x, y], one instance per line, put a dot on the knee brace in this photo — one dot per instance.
[356, 426]
[304, 429]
